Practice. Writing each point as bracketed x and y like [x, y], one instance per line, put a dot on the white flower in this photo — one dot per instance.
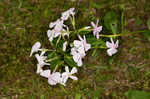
[68, 74]
[82, 43]
[57, 29]
[50, 34]
[77, 56]
[112, 47]
[53, 78]
[41, 59]
[96, 29]
[65, 15]
[64, 46]
[35, 48]
[58, 24]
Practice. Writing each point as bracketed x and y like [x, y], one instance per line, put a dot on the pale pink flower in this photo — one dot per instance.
[68, 74]
[96, 29]
[112, 47]
[82, 43]
[65, 15]
[53, 78]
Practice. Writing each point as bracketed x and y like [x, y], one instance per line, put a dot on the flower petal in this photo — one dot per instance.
[45, 73]
[77, 43]
[35, 48]
[99, 29]
[76, 57]
[64, 77]
[51, 81]
[87, 47]
[80, 38]
[67, 69]
[111, 51]
[109, 45]
[81, 50]
[117, 43]
[112, 41]
[74, 70]
[73, 51]
[79, 63]
[54, 78]
[74, 77]
[92, 23]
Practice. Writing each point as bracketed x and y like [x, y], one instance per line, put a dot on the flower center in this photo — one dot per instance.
[69, 74]
[114, 46]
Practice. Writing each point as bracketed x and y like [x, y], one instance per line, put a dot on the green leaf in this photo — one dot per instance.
[78, 96]
[55, 62]
[148, 23]
[54, 59]
[52, 55]
[137, 21]
[94, 42]
[110, 21]
[134, 94]
[147, 34]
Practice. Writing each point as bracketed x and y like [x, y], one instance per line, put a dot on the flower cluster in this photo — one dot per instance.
[56, 58]
[55, 77]
[58, 28]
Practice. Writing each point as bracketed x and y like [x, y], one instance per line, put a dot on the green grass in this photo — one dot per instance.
[23, 22]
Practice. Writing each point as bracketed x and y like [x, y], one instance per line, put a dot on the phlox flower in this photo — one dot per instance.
[58, 24]
[35, 48]
[57, 29]
[82, 43]
[53, 78]
[77, 56]
[50, 35]
[65, 15]
[96, 29]
[68, 74]
[40, 58]
[112, 47]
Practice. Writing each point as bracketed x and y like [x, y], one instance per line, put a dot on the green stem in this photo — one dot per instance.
[46, 50]
[123, 34]
[100, 47]
[57, 66]
[73, 23]
[49, 60]
[62, 87]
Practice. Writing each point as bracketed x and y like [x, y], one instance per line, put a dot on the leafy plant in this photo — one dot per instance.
[111, 22]
[135, 94]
